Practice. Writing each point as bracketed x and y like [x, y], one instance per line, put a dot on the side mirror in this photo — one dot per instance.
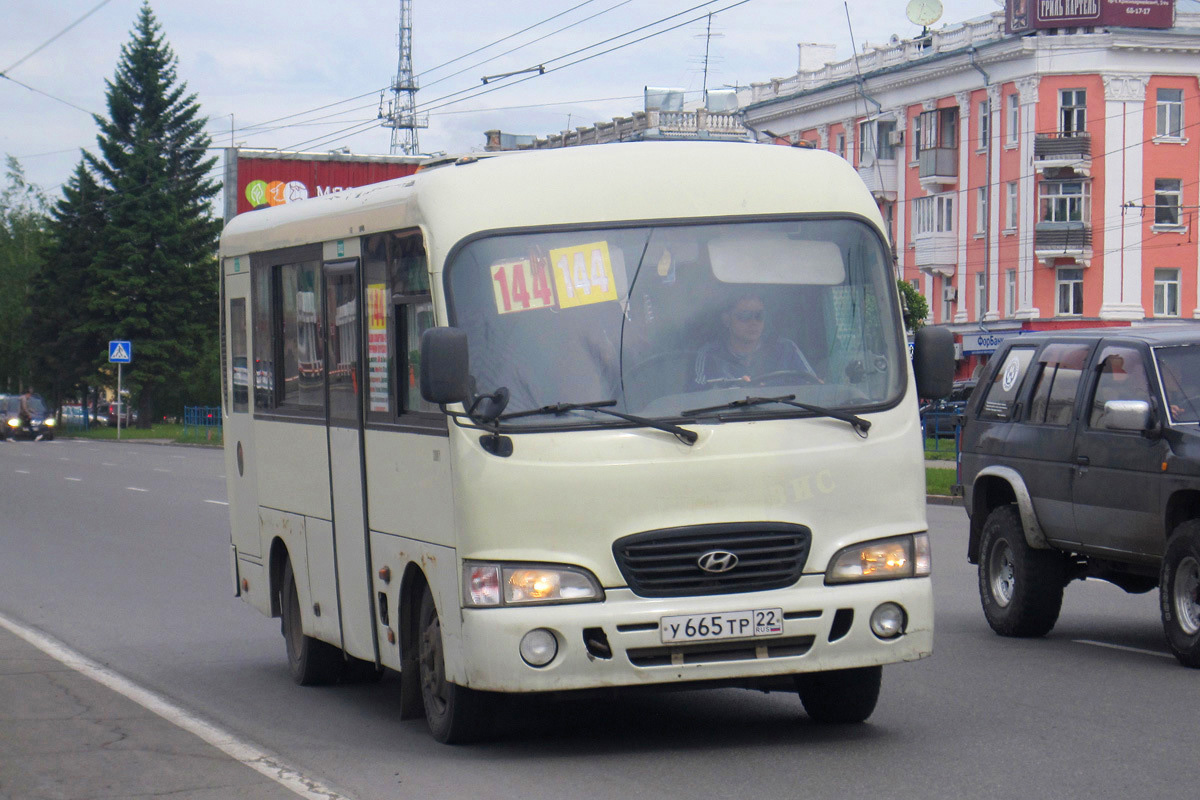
[445, 367]
[1127, 415]
[933, 362]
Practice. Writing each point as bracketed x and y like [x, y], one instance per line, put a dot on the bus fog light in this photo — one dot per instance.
[539, 647]
[888, 621]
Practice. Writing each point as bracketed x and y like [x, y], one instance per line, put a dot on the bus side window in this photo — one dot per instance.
[400, 309]
[240, 379]
[288, 369]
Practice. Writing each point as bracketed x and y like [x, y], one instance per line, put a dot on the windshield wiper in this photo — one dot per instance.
[860, 425]
[603, 407]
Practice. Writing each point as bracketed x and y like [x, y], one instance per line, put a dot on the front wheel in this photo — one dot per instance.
[455, 713]
[840, 696]
[1021, 588]
[1179, 593]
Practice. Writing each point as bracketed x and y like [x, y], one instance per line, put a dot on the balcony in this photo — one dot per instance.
[1053, 240]
[1057, 151]
[938, 166]
[936, 253]
[880, 177]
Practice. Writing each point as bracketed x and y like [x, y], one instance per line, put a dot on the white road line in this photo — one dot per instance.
[136, 489]
[23, 471]
[107, 464]
[160, 469]
[1123, 647]
[217, 502]
[240, 750]
[73, 479]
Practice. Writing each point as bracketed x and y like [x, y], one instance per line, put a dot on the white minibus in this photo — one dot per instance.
[629, 415]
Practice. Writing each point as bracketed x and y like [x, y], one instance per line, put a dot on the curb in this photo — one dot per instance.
[943, 500]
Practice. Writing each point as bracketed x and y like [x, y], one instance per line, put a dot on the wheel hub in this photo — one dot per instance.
[1001, 569]
[1187, 595]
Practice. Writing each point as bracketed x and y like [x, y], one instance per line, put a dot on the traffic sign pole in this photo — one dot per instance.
[119, 365]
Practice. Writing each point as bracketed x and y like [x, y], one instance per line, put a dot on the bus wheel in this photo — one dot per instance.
[840, 696]
[311, 662]
[454, 713]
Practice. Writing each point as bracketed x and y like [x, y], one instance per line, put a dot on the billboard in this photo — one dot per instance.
[266, 178]
[1026, 15]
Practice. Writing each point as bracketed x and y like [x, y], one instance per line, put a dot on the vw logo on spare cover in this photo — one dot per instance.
[717, 561]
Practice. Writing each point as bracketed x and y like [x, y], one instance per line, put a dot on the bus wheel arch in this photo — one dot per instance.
[412, 587]
[276, 565]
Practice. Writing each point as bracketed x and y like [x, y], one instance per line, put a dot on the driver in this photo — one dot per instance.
[744, 354]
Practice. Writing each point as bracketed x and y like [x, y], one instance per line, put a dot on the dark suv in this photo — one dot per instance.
[1081, 459]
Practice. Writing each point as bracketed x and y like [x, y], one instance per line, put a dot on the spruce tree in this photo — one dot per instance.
[66, 352]
[154, 280]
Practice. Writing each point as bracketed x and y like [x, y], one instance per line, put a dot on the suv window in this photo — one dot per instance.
[1005, 384]
[1061, 366]
[1122, 377]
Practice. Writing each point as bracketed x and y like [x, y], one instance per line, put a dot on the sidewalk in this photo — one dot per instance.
[63, 735]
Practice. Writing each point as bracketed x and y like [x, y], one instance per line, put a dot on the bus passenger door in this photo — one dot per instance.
[343, 388]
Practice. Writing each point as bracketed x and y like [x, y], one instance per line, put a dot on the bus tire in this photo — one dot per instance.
[455, 713]
[1020, 588]
[311, 662]
[840, 696]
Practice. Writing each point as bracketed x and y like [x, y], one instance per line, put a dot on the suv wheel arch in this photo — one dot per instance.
[988, 492]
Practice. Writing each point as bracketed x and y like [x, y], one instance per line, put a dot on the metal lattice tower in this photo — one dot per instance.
[401, 115]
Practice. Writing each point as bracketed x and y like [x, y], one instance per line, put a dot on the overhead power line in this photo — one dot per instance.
[49, 41]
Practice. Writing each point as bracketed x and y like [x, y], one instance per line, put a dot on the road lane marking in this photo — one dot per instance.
[1123, 647]
[107, 464]
[239, 749]
[73, 479]
[136, 489]
[217, 502]
[160, 469]
[23, 471]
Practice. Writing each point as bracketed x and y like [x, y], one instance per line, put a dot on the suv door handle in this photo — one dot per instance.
[1082, 461]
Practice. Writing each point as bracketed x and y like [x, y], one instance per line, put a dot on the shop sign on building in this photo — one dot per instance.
[1025, 15]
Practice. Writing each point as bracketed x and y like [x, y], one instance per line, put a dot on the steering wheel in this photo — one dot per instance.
[778, 377]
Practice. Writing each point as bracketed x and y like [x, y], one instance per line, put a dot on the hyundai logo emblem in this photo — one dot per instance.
[717, 561]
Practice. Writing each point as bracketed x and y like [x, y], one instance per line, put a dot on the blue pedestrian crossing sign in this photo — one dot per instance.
[120, 352]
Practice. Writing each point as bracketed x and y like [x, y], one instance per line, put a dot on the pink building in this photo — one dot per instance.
[1032, 179]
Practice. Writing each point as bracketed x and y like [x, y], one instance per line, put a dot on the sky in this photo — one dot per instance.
[252, 62]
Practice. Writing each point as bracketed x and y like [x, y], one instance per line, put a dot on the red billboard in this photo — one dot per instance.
[265, 178]
[1025, 15]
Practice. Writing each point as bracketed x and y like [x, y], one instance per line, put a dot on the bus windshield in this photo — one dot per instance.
[677, 318]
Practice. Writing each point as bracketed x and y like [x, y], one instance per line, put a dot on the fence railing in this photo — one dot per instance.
[943, 430]
[201, 420]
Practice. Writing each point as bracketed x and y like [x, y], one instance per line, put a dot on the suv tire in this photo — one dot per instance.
[1021, 588]
[1179, 593]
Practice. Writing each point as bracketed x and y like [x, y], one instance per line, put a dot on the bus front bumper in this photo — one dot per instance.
[619, 642]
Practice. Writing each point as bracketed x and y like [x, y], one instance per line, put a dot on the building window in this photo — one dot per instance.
[1066, 201]
[985, 123]
[980, 294]
[1069, 286]
[884, 130]
[933, 214]
[841, 145]
[1170, 113]
[1072, 112]
[1010, 291]
[947, 304]
[1014, 118]
[1166, 293]
[1168, 197]
[981, 210]
[915, 127]
[1010, 208]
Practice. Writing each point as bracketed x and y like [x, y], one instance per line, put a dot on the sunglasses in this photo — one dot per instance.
[749, 316]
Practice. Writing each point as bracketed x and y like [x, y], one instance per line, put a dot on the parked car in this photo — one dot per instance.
[39, 424]
[941, 418]
[107, 413]
[1081, 459]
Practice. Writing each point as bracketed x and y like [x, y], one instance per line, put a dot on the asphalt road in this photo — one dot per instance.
[120, 551]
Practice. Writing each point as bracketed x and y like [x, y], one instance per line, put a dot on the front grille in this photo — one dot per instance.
[665, 563]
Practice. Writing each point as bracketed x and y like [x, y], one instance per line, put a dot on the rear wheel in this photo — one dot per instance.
[311, 662]
[1179, 593]
[455, 713]
[1021, 588]
[840, 696]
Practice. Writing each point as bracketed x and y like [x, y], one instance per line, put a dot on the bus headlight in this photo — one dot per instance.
[882, 559]
[527, 584]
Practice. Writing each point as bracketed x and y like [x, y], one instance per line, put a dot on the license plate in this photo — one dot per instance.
[726, 625]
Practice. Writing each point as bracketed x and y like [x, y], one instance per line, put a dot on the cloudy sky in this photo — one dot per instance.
[253, 62]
